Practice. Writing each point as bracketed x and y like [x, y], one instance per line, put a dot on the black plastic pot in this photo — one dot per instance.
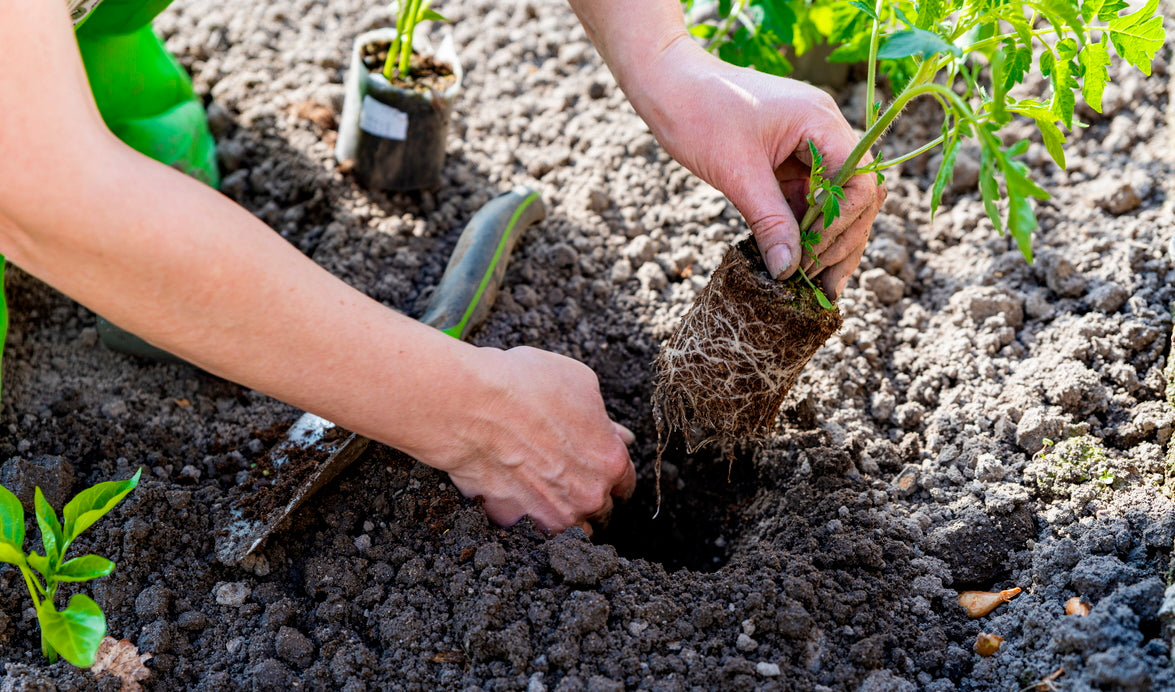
[395, 137]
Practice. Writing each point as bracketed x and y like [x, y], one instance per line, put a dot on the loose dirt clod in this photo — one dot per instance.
[987, 644]
[980, 603]
[724, 372]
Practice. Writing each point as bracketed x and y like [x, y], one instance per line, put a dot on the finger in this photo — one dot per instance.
[603, 515]
[626, 435]
[852, 240]
[836, 277]
[777, 234]
[624, 489]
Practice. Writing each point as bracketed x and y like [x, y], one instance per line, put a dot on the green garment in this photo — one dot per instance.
[143, 94]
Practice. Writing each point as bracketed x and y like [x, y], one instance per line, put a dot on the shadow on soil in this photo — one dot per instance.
[704, 496]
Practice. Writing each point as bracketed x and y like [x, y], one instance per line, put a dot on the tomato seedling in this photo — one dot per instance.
[75, 632]
[969, 56]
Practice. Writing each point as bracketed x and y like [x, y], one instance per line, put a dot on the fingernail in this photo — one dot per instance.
[778, 259]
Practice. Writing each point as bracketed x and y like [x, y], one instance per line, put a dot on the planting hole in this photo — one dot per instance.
[702, 512]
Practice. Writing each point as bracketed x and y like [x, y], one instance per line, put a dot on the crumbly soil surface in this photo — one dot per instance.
[907, 462]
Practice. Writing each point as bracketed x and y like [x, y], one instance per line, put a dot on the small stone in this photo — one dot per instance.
[255, 563]
[767, 670]
[220, 121]
[621, 271]
[293, 647]
[745, 643]
[906, 481]
[597, 90]
[231, 593]
[652, 276]
[192, 621]
[640, 249]
[489, 555]
[1061, 276]
[1107, 298]
[596, 200]
[1117, 197]
[1036, 425]
[888, 288]
[362, 543]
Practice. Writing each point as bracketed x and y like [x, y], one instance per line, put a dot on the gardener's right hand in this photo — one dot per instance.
[541, 444]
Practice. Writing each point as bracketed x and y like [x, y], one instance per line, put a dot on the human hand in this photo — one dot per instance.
[746, 133]
[541, 444]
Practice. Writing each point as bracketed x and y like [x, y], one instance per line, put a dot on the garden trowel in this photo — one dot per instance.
[315, 450]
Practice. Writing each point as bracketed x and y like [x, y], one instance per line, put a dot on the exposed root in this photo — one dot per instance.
[725, 371]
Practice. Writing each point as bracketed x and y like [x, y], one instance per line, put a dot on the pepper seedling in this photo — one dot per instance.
[75, 632]
[412, 13]
[968, 56]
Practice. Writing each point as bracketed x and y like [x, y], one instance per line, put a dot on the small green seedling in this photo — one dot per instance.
[75, 632]
[412, 13]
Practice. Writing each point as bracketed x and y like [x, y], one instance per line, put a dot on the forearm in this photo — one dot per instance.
[633, 38]
[169, 259]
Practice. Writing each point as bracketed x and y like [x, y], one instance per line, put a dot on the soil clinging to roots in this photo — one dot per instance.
[724, 372]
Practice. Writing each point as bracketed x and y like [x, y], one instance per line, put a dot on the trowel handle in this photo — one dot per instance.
[470, 284]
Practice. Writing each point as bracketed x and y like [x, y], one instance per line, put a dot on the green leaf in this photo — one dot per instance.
[867, 9]
[1138, 36]
[91, 504]
[1021, 218]
[11, 518]
[1102, 10]
[1095, 58]
[823, 299]
[40, 563]
[50, 527]
[1062, 71]
[1019, 62]
[74, 632]
[84, 568]
[946, 171]
[989, 186]
[703, 31]
[11, 554]
[1054, 140]
[930, 12]
[431, 15]
[1060, 12]
[724, 7]
[910, 42]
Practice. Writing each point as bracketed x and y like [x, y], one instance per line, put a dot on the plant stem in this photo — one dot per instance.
[871, 81]
[413, 7]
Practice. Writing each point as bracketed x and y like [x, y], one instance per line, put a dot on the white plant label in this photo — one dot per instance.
[382, 120]
[80, 9]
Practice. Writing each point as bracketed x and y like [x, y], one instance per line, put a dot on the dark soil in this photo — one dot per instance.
[909, 460]
[425, 72]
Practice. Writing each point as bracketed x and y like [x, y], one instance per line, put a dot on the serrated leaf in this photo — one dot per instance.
[1060, 12]
[989, 187]
[1019, 62]
[91, 504]
[1054, 140]
[915, 42]
[75, 632]
[867, 9]
[1102, 10]
[946, 171]
[84, 568]
[11, 518]
[49, 525]
[1062, 73]
[1095, 58]
[930, 12]
[1138, 36]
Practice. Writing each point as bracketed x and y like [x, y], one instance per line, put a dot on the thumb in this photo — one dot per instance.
[762, 204]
